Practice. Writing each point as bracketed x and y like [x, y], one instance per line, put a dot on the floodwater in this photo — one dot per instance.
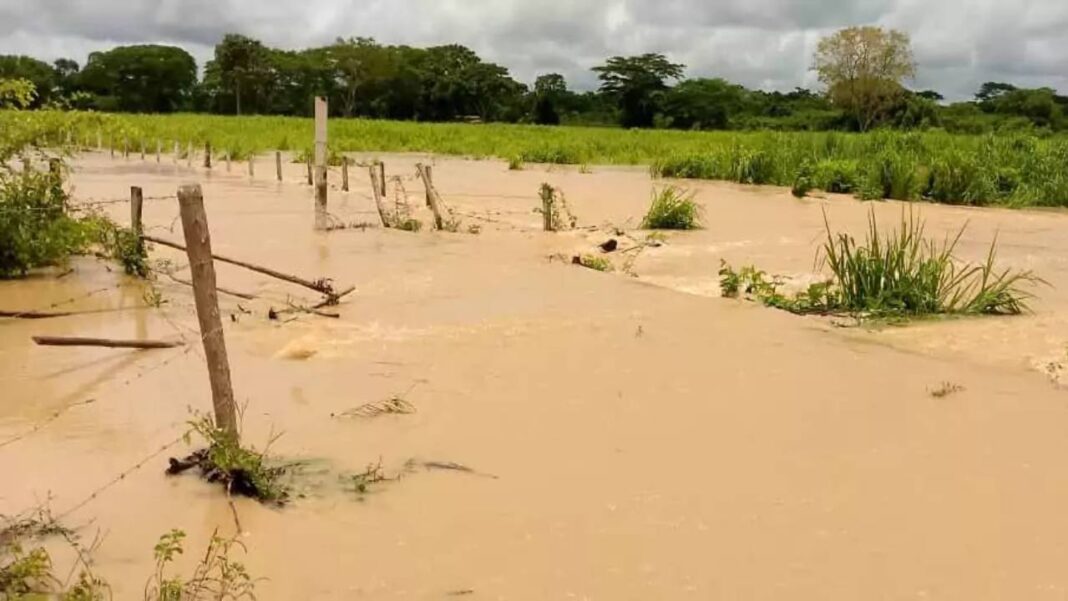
[629, 436]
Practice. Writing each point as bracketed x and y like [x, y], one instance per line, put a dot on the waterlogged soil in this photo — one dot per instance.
[626, 435]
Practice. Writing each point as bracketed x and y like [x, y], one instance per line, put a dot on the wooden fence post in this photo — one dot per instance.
[142, 149]
[547, 207]
[198, 248]
[252, 165]
[125, 147]
[55, 172]
[136, 201]
[311, 179]
[278, 164]
[111, 146]
[159, 150]
[207, 155]
[432, 196]
[189, 154]
[345, 174]
[382, 178]
[228, 153]
[382, 214]
[321, 217]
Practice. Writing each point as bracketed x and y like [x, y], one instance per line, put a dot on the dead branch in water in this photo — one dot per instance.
[104, 342]
[52, 314]
[323, 286]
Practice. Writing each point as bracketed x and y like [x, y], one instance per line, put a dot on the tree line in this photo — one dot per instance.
[863, 70]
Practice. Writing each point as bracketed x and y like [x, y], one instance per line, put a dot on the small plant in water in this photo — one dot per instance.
[216, 577]
[672, 209]
[946, 389]
[593, 262]
[515, 163]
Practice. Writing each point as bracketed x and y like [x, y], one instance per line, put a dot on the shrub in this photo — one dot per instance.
[672, 209]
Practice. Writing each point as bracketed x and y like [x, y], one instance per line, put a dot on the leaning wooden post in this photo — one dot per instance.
[382, 178]
[137, 199]
[159, 150]
[207, 155]
[311, 178]
[198, 248]
[345, 174]
[278, 164]
[321, 218]
[142, 149]
[252, 166]
[375, 191]
[432, 196]
[125, 148]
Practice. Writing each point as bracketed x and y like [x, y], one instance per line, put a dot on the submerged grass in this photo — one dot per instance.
[897, 274]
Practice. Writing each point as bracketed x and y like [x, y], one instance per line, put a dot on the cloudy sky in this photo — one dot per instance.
[760, 43]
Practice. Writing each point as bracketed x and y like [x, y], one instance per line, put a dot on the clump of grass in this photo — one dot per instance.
[240, 470]
[515, 163]
[945, 389]
[899, 274]
[672, 209]
[26, 569]
[904, 273]
[593, 262]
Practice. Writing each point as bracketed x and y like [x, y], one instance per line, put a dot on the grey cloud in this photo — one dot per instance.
[759, 43]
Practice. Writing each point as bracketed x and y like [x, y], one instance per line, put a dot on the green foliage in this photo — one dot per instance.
[637, 83]
[16, 93]
[242, 470]
[143, 78]
[672, 209]
[515, 164]
[35, 229]
[216, 577]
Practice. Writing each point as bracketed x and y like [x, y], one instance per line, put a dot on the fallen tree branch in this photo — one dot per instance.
[322, 286]
[334, 299]
[105, 342]
[52, 314]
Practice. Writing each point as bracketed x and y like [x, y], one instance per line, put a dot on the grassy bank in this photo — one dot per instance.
[1011, 170]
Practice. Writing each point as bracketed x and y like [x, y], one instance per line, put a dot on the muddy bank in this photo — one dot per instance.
[648, 439]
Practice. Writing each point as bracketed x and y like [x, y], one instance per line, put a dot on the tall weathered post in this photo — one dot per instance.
[345, 174]
[382, 179]
[207, 154]
[137, 199]
[278, 164]
[321, 218]
[198, 248]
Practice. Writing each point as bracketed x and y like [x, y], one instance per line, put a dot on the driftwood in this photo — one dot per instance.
[52, 314]
[219, 288]
[333, 299]
[105, 342]
[322, 286]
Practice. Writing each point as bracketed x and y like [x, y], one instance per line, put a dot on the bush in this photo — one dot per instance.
[672, 209]
[35, 230]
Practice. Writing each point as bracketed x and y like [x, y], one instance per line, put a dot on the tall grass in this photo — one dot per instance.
[1011, 169]
[903, 272]
[899, 273]
[672, 209]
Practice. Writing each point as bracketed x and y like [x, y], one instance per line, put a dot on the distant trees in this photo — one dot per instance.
[864, 69]
[637, 84]
[137, 79]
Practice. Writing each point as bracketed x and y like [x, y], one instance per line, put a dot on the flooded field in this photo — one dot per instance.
[628, 435]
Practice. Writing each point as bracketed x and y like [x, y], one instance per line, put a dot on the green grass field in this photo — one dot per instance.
[1008, 170]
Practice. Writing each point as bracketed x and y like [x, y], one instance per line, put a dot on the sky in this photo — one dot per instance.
[767, 44]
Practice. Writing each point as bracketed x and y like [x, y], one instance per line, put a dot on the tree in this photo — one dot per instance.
[39, 73]
[243, 70]
[990, 91]
[931, 95]
[863, 69]
[140, 79]
[357, 62]
[16, 93]
[637, 84]
[703, 103]
[549, 90]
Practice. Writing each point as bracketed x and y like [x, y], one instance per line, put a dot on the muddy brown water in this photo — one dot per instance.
[647, 439]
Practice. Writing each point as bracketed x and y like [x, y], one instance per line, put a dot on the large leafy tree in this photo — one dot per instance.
[243, 71]
[39, 73]
[637, 84]
[549, 92]
[358, 63]
[143, 78]
[703, 103]
[863, 69]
